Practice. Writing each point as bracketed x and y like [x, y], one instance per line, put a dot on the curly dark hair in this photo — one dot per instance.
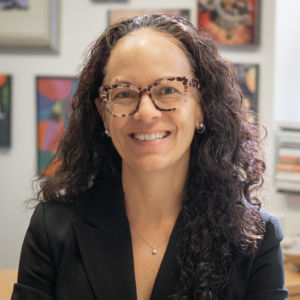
[220, 211]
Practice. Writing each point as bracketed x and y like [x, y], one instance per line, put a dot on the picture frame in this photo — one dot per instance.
[110, 1]
[248, 78]
[54, 98]
[231, 23]
[36, 28]
[5, 110]
[118, 14]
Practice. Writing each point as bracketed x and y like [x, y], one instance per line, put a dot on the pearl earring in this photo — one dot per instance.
[106, 132]
[201, 128]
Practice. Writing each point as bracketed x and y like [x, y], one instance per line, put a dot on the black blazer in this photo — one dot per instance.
[83, 251]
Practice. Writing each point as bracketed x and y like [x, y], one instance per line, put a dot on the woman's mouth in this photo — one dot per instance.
[150, 137]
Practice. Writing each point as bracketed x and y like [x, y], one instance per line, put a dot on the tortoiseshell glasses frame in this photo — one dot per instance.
[128, 104]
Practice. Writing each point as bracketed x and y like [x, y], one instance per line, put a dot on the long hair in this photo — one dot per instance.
[220, 211]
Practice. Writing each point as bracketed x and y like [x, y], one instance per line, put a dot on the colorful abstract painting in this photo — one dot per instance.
[54, 96]
[5, 110]
[247, 75]
[119, 14]
[14, 4]
[232, 22]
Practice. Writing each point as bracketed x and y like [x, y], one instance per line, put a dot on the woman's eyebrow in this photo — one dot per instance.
[123, 81]
[116, 80]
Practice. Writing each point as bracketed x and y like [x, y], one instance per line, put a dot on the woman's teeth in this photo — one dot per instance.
[150, 137]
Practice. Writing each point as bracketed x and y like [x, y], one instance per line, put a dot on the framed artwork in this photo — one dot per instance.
[117, 14]
[54, 97]
[14, 4]
[31, 25]
[5, 109]
[230, 22]
[110, 1]
[247, 76]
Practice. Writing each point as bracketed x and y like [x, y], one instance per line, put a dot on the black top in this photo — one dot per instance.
[83, 251]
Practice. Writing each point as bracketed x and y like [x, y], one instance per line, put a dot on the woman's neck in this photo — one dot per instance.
[153, 197]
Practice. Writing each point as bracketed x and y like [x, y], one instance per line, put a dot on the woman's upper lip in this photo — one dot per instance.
[149, 131]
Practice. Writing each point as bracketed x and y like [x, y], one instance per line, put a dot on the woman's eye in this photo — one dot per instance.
[125, 94]
[168, 90]
[118, 95]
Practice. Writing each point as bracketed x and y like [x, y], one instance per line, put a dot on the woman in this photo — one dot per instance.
[154, 196]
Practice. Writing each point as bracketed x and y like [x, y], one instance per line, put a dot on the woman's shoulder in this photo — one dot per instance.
[62, 210]
[55, 218]
[54, 212]
[272, 223]
[273, 233]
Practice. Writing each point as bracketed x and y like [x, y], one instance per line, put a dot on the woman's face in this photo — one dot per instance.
[151, 140]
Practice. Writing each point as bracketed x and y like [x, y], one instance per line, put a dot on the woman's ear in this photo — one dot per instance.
[101, 110]
[199, 114]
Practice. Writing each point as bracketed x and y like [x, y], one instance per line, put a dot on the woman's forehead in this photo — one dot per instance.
[147, 52]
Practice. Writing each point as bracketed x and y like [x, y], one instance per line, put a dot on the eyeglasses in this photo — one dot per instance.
[166, 94]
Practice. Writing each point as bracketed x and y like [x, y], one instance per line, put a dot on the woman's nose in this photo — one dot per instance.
[147, 111]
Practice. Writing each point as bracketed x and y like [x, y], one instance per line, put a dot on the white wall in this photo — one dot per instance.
[287, 65]
[82, 22]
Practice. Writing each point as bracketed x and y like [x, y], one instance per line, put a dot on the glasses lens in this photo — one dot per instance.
[168, 94]
[122, 100]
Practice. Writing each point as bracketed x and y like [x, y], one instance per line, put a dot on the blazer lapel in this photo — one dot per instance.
[104, 242]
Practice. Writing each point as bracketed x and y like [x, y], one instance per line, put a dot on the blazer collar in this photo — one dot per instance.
[105, 246]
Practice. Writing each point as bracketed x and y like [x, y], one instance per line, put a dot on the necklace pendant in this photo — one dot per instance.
[154, 251]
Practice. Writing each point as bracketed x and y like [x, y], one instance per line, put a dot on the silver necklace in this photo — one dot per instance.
[154, 249]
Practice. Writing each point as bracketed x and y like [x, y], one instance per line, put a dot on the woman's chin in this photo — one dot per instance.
[148, 165]
[157, 163]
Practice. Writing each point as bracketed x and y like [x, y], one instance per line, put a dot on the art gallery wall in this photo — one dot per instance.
[81, 23]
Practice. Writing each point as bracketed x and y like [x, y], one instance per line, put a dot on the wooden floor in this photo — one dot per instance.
[7, 279]
[292, 282]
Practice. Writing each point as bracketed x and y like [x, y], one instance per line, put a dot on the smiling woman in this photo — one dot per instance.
[155, 195]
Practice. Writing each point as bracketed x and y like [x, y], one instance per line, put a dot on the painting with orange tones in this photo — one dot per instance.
[230, 22]
[247, 76]
[5, 109]
[54, 96]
